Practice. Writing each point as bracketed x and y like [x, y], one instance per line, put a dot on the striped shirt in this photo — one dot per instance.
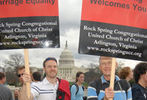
[119, 91]
[44, 90]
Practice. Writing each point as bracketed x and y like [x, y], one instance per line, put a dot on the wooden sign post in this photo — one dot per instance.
[45, 14]
[27, 70]
[112, 74]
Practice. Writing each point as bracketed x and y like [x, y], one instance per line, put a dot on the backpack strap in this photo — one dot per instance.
[124, 85]
[60, 94]
[77, 87]
[83, 88]
[97, 84]
[59, 80]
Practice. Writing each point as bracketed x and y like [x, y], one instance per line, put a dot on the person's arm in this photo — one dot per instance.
[129, 94]
[73, 92]
[22, 95]
[128, 90]
[16, 92]
[92, 95]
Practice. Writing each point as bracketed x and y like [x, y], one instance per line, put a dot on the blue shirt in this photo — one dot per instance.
[119, 91]
[79, 95]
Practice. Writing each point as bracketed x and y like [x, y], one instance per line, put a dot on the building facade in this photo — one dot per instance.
[67, 69]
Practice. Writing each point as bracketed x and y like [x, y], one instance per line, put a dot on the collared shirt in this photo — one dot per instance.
[119, 91]
[33, 84]
[44, 90]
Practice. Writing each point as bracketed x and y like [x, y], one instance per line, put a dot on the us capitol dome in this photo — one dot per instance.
[67, 69]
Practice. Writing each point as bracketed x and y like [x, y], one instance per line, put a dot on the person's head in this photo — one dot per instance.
[105, 64]
[50, 67]
[126, 73]
[2, 78]
[80, 77]
[20, 72]
[36, 76]
[140, 72]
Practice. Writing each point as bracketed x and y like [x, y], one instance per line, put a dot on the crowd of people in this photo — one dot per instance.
[53, 88]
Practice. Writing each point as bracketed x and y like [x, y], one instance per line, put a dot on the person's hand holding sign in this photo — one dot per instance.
[109, 94]
[27, 78]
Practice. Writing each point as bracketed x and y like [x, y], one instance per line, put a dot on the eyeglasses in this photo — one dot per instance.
[19, 75]
[106, 63]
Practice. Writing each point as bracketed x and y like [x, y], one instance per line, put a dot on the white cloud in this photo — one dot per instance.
[37, 56]
[129, 63]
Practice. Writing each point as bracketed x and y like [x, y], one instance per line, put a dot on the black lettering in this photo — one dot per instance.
[134, 6]
[110, 3]
[106, 3]
[11, 2]
[95, 1]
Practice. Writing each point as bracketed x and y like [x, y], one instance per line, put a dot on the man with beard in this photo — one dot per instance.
[51, 88]
[20, 72]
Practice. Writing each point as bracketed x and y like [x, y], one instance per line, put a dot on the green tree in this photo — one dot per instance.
[11, 66]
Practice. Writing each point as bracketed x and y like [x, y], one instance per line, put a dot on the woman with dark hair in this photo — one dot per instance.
[77, 89]
[139, 90]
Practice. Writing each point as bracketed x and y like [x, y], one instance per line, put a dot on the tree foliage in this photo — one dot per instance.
[93, 73]
[11, 65]
[14, 61]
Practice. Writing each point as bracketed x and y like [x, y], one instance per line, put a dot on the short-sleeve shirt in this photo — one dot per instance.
[44, 90]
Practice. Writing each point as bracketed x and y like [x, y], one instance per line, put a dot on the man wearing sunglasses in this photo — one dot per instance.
[20, 72]
[51, 88]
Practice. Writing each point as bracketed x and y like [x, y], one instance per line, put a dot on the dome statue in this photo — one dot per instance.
[66, 58]
[66, 64]
[67, 69]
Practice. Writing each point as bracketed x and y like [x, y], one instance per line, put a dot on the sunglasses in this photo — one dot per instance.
[19, 75]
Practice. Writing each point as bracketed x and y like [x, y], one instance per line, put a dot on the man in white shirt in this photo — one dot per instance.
[50, 86]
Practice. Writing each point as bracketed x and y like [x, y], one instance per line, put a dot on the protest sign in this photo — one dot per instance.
[29, 24]
[116, 28]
